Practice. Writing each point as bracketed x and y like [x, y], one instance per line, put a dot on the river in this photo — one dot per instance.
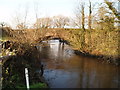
[64, 69]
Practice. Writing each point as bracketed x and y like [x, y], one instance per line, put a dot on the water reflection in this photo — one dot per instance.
[64, 69]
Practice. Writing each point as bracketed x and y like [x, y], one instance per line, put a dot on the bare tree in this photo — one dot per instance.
[83, 16]
[60, 21]
[21, 19]
[25, 17]
[90, 14]
[80, 15]
[43, 22]
[21, 26]
[36, 10]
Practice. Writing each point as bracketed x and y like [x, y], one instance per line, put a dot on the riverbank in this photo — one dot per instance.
[115, 60]
[96, 43]
[107, 59]
[13, 69]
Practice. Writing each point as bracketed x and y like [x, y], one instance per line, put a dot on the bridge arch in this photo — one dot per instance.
[62, 40]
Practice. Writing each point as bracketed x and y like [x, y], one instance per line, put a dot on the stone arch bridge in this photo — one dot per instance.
[44, 34]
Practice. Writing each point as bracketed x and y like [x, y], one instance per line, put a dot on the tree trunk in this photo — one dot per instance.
[83, 18]
[83, 28]
[89, 18]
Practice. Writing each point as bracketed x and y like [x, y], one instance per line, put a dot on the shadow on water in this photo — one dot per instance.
[64, 69]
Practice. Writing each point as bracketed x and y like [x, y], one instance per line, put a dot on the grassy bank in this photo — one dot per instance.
[96, 42]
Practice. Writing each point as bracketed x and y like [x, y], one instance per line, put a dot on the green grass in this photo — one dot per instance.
[38, 85]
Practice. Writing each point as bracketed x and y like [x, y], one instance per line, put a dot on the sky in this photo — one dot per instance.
[9, 9]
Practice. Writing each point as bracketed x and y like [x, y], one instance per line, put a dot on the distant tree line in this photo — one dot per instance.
[100, 16]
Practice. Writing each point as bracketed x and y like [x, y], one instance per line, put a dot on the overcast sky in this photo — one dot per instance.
[9, 8]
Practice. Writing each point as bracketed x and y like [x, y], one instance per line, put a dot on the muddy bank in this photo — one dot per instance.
[109, 59]
[13, 70]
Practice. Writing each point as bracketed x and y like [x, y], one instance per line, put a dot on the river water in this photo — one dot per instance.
[64, 69]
